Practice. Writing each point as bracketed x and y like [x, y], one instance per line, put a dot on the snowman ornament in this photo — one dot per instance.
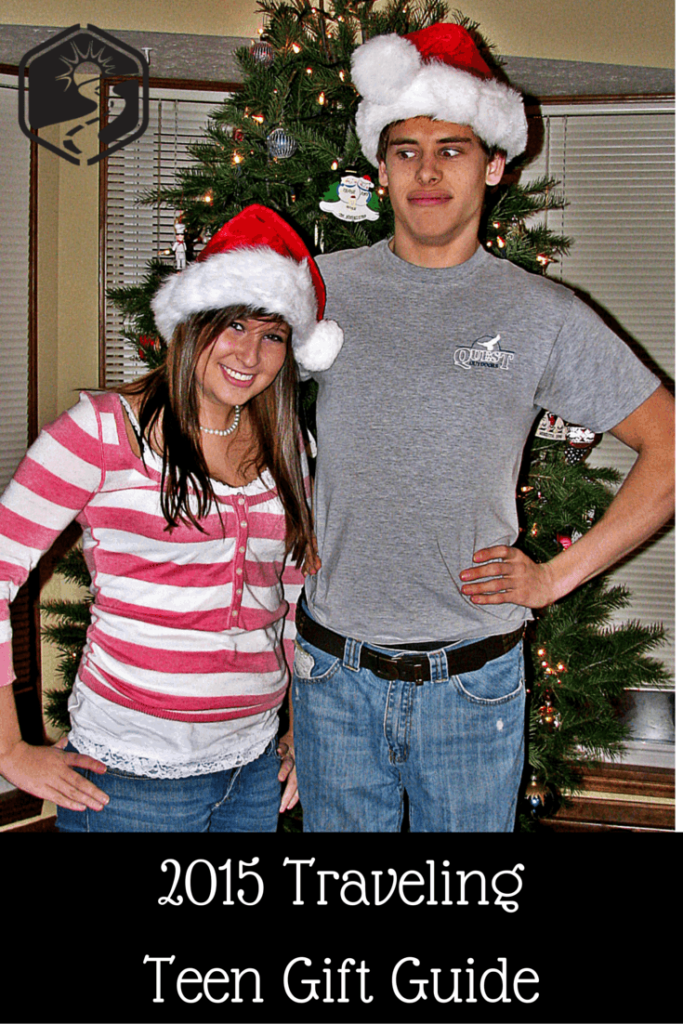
[351, 199]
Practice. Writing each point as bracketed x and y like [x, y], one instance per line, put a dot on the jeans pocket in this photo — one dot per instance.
[311, 665]
[497, 682]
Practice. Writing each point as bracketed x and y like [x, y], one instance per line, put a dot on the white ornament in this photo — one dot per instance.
[353, 194]
[551, 427]
[179, 247]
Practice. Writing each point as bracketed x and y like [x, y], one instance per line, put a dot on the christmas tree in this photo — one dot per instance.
[287, 140]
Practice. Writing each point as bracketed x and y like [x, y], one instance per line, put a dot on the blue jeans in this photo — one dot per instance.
[455, 745]
[245, 799]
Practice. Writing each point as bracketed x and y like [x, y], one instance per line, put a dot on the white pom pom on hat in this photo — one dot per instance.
[383, 65]
[256, 259]
[436, 72]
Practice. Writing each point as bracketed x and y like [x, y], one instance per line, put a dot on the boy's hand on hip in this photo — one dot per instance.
[508, 577]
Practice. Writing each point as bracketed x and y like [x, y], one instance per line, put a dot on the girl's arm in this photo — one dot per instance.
[53, 483]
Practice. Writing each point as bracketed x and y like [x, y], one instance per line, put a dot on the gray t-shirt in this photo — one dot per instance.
[422, 421]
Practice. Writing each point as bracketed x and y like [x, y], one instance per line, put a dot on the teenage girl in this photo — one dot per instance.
[191, 488]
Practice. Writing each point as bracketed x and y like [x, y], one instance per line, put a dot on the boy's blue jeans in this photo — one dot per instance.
[454, 744]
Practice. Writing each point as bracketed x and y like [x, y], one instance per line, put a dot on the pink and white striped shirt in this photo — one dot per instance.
[184, 666]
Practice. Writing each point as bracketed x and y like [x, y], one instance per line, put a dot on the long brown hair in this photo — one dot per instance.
[170, 401]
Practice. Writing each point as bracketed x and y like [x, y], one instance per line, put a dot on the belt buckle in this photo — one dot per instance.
[386, 667]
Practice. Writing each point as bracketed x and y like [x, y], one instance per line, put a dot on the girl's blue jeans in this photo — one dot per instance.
[244, 799]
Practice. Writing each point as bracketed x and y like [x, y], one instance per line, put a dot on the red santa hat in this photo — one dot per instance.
[437, 72]
[257, 260]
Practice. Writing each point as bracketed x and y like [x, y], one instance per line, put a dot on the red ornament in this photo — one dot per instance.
[146, 345]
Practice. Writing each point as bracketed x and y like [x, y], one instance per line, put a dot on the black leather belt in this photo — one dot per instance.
[411, 668]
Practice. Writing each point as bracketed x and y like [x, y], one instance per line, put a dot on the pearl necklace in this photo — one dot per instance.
[229, 430]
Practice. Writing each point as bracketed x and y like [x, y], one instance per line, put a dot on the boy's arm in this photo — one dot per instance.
[643, 503]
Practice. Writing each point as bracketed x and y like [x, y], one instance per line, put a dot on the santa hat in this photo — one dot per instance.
[437, 72]
[257, 260]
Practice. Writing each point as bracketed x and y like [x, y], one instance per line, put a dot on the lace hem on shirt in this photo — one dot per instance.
[153, 769]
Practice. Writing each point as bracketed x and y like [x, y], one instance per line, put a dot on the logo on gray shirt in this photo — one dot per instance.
[485, 353]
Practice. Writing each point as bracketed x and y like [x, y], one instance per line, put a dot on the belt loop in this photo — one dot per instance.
[438, 665]
[352, 653]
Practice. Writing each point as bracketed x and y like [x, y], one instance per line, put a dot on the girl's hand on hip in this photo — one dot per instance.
[287, 773]
[48, 773]
[312, 560]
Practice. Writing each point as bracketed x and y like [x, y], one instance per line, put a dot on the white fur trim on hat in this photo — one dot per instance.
[395, 87]
[257, 277]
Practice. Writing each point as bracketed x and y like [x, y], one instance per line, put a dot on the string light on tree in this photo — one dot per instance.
[547, 714]
[548, 668]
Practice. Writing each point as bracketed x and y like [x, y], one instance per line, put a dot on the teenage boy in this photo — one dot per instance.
[408, 666]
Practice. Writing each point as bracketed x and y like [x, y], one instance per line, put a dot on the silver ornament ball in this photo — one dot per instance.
[262, 53]
[280, 144]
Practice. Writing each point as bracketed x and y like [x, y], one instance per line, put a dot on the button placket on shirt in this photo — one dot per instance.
[241, 506]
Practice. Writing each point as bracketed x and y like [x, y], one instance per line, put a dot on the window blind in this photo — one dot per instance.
[135, 233]
[14, 215]
[615, 165]
[15, 173]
